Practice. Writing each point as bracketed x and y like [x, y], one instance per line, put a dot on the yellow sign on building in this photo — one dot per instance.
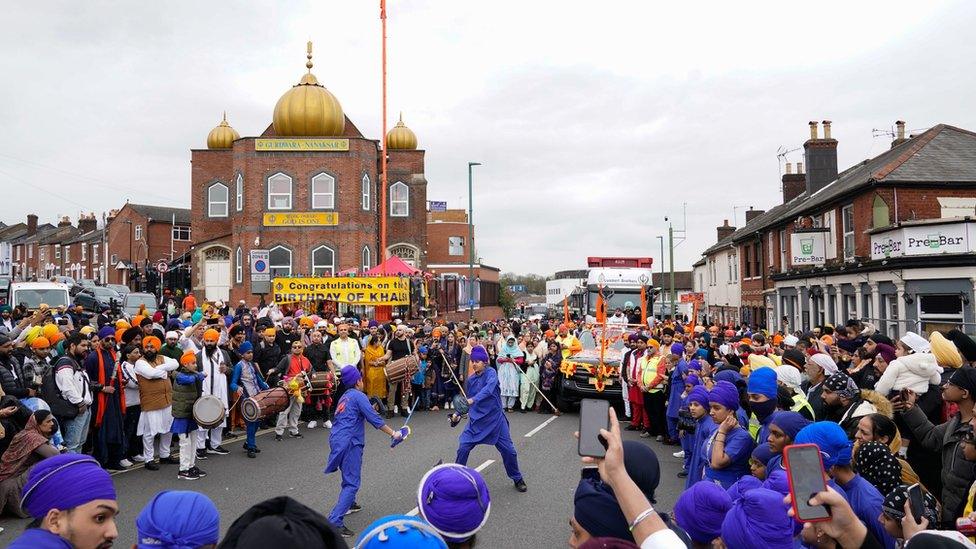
[301, 219]
[300, 145]
[380, 290]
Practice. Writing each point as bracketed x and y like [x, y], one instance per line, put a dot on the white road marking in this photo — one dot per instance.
[415, 511]
[540, 427]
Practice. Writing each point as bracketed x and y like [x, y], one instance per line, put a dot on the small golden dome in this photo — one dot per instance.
[308, 109]
[223, 136]
[401, 137]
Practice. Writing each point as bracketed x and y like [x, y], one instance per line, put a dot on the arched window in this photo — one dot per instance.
[366, 192]
[240, 192]
[879, 212]
[367, 260]
[399, 200]
[239, 265]
[408, 253]
[323, 192]
[217, 200]
[279, 261]
[323, 261]
[279, 192]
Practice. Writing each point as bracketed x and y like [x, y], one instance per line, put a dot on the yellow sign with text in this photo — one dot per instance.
[301, 219]
[300, 145]
[381, 290]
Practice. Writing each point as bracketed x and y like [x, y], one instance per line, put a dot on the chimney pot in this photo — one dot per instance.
[789, 167]
[826, 127]
[724, 231]
[900, 124]
[813, 130]
[799, 167]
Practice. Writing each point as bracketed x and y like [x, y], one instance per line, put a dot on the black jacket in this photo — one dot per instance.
[266, 356]
[8, 365]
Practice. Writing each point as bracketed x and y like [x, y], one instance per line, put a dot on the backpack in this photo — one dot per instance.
[51, 394]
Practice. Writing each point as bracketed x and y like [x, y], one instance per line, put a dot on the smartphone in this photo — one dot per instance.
[594, 415]
[804, 470]
[915, 501]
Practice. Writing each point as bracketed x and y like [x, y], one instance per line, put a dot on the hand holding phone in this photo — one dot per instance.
[594, 415]
[804, 470]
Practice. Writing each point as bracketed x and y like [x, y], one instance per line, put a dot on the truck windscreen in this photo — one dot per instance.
[618, 298]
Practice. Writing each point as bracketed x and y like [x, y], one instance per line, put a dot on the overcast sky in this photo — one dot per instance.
[594, 120]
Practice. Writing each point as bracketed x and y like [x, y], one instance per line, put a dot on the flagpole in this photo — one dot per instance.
[383, 175]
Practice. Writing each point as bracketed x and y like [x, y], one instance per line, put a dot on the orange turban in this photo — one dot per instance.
[306, 322]
[137, 320]
[653, 343]
[118, 334]
[188, 358]
[123, 325]
[828, 339]
[40, 342]
[211, 335]
[777, 339]
[550, 333]
[151, 339]
[50, 331]
[746, 341]
[270, 332]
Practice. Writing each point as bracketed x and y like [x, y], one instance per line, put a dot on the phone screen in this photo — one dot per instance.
[915, 501]
[594, 415]
[806, 475]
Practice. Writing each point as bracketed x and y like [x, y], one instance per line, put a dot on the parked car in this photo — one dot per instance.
[122, 289]
[33, 294]
[4, 288]
[132, 301]
[87, 283]
[93, 299]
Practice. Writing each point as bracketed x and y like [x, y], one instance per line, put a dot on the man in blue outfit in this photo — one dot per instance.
[346, 442]
[487, 423]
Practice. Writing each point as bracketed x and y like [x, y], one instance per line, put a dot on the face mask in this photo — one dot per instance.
[763, 409]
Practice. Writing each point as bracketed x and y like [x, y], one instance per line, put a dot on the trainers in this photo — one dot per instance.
[454, 419]
[187, 475]
[346, 533]
[679, 454]
[295, 435]
[645, 434]
[198, 472]
[682, 474]
[520, 486]
[659, 438]
[152, 466]
[139, 458]
[251, 453]
[313, 424]
[201, 454]
[354, 509]
[327, 424]
[220, 451]
[277, 438]
[125, 463]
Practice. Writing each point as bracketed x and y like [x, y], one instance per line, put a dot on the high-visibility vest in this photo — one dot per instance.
[649, 371]
[800, 402]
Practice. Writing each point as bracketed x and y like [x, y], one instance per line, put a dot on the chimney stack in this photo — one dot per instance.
[821, 159]
[899, 134]
[31, 224]
[65, 222]
[793, 183]
[87, 223]
[753, 213]
[725, 230]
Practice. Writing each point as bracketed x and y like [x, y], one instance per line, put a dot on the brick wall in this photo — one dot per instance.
[438, 245]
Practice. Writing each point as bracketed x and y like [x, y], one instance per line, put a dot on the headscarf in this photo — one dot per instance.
[762, 453]
[886, 351]
[608, 543]
[701, 509]
[642, 467]
[281, 522]
[726, 394]
[915, 342]
[511, 348]
[946, 353]
[763, 382]
[178, 520]
[25, 442]
[826, 363]
[741, 486]
[393, 531]
[835, 448]
[789, 376]
[875, 462]
[699, 394]
[45, 485]
[894, 504]
[758, 519]
[789, 422]
[843, 385]
[454, 499]
[349, 375]
[597, 511]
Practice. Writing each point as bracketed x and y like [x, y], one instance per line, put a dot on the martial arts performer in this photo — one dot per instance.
[487, 423]
[346, 443]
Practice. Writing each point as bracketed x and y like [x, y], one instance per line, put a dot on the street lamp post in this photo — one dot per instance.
[471, 165]
[661, 239]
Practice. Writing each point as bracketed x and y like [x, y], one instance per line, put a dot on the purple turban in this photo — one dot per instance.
[728, 375]
[349, 375]
[743, 485]
[677, 349]
[177, 519]
[454, 499]
[726, 394]
[789, 422]
[695, 364]
[479, 354]
[692, 380]
[700, 511]
[887, 352]
[763, 382]
[758, 519]
[45, 485]
[762, 453]
[835, 448]
[777, 481]
[699, 394]
[107, 332]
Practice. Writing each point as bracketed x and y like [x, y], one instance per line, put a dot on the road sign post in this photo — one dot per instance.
[260, 271]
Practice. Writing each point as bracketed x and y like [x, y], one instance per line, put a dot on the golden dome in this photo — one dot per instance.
[308, 109]
[223, 136]
[401, 137]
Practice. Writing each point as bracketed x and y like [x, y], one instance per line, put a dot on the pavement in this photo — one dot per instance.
[538, 518]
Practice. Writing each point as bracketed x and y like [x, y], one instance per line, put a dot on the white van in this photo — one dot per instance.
[33, 294]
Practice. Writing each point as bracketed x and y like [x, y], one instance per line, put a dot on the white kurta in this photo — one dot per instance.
[215, 383]
[155, 422]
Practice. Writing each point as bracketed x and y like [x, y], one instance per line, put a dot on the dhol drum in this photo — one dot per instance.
[264, 404]
[402, 368]
[319, 383]
[209, 411]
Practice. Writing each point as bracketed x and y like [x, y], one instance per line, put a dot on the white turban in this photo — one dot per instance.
[789, 376]
[172, 335]
[825, 362]
[790, 340]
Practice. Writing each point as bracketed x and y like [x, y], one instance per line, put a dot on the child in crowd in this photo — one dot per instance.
[419, 380]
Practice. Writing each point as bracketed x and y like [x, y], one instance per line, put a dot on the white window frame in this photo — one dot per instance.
[328, 195]
[830, 237]
[366, 191]
[57, 251]
[178, 233]
[848, 231]
[94, 253]
[240, 192]
[330, 266]
[84, 252]
[114, 259]
[367, 258]
[953, 206]
[67, 254]
[783, 256]
[138, 232]
[239, 265]
[30, 251]
[455, 249]
[212, 201]
[405, 202]
[279, 177]
[272, 267]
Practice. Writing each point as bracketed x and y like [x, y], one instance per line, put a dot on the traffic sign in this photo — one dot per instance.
[260, 266]
[162, 267]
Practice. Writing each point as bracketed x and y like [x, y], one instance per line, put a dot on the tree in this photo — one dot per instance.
[534, 284]
[506, 300]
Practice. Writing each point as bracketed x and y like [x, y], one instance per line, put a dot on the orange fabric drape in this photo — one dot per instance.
[103, 397]
[643, 306]
[601, 315]
[566, 310]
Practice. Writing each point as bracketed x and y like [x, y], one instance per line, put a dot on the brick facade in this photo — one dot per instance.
[137, 239]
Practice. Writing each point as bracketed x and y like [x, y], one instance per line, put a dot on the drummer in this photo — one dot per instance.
[215, 362]
[186, 391]
[247, 377]
[398, 347]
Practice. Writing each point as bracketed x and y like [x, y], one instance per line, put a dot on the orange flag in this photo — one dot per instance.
[566, 310]
[643, 306]
[601, 315]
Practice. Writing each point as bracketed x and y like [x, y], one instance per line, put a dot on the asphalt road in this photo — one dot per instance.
[293, 467]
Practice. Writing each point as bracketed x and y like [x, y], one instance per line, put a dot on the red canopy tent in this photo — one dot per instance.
[393, 266]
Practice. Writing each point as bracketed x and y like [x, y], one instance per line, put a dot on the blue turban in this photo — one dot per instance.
[349, 375]
[777, 481]
[106, 332]
[789, 422]
[763, 382]
[835, 448]
[479, 354]
[178, 520]
[758, 519]
[422, 350]
[677, 349]
[454, 499]
[372, 324]
[700, 510]
[45, 487]
[173, 325]
[245, 347]
[595, 508]
[726, 394]
[762, 453]
[642, 467]
[699, 394]
[702, 353]
[692, 380]
[743, 485]
[728, 375]
[395, 531]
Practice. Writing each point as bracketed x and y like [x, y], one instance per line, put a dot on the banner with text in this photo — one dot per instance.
[949, 238]
[301, 144]
[383, 290]
[808, 248]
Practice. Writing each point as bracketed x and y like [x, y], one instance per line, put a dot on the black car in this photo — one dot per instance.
[93, 299]
[583, 383]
